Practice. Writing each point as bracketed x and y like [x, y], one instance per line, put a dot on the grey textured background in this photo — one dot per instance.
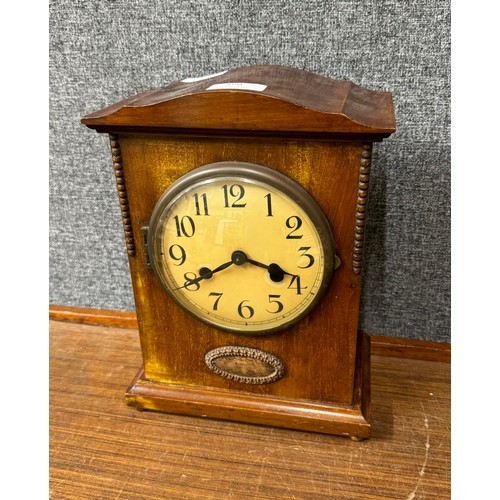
[103, 51]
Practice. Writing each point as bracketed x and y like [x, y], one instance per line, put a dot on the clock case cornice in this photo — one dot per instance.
[294, 103]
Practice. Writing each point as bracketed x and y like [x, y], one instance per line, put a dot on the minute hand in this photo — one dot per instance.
[205, 274]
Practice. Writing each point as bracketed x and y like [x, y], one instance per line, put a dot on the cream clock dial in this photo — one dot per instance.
[241, 247]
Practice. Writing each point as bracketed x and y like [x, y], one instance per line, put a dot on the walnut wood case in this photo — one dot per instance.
[317, 131]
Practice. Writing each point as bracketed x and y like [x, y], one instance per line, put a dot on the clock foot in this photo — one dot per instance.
[357, 438]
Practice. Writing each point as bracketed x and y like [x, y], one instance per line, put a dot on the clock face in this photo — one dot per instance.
[241, 247]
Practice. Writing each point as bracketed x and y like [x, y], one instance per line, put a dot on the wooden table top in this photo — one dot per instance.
[102, 448]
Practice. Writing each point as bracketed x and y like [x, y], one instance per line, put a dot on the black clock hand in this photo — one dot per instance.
[237, 257]
[205, 274]
[272, 268]
[276, 273]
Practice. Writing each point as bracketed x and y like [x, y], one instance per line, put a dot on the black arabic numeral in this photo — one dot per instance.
[204, 202]
[308, 255]
[184, 226]
[235, 191]
[178, 254]
[216, 303]
[279, 305]
[294, 223]
[191, 282]
[269, 205]
[246, 312]
[295, 285]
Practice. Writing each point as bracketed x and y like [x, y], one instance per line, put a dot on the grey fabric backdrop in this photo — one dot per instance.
[103, 51]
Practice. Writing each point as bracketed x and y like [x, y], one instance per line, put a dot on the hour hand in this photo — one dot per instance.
[276, 273]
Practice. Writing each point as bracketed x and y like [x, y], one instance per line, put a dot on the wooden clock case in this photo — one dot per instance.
[317, 131]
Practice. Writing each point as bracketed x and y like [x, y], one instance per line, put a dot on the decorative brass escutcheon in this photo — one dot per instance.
[245, 364]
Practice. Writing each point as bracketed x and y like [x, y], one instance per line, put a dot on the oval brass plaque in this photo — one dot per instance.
[245, 364]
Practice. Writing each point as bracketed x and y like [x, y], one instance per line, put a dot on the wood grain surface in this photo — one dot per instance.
[102, 448]
[174, 344]
[277, 117]
[289, 100]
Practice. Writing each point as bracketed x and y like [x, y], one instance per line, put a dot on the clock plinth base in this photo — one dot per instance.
[300, 414]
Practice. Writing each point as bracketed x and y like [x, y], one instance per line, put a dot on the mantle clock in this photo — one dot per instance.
[243, 197]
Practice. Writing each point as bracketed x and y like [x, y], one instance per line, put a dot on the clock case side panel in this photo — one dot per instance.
[173, 353]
